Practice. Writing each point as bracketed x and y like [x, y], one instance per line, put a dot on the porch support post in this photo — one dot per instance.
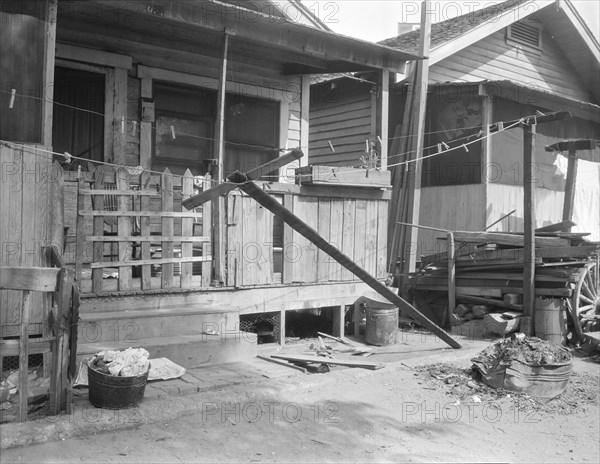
[338, 320]
[570, 186]
[218, 207]
[529, 238]
[49, 59]
[383, 101]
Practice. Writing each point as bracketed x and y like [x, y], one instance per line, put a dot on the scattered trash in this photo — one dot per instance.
[525, 364]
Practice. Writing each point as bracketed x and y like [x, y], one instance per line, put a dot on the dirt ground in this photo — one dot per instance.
[414, 413]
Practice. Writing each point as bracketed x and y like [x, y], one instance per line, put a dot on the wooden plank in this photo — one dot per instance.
[142, 262]
[81, 223]
[89, 55]
[131, 193]
[282, 363]
[490, 301]
[333, 362]
[336, 234]
[149, 239]
[529, 239]
[124, 229]
[281, 334]
[360, 234]
[507, 239]
[383, 106]
[219, 147]
[305, 269]
[234, 232]
[371, 237]
[562, 226]
[497, 292]
[36, 279]
[98, 227]
[264, 245]
[225, 188]
[324, 226]
[207, 231]
[145, 232]
[109, 121]
[248, 265]
[451, 274]
[162, 214]
[187, 229]
[289, 249]
[271, 204]
[349, 210]
[120, 116]
[570, 186]
[382, 223]
[167, 229]
[24, 357]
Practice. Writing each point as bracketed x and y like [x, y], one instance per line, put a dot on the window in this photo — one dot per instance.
[251, 130]
[191, 113]
[528, 34]
[452, 121]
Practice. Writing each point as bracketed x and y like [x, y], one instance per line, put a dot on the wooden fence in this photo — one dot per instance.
[133, 235]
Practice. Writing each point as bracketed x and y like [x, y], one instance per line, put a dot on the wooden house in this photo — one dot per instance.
[153, 101]
[501, 63]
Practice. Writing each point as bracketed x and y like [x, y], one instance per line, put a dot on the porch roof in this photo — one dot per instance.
[293, 47]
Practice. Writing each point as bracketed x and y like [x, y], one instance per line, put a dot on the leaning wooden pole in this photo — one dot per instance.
[304, 229]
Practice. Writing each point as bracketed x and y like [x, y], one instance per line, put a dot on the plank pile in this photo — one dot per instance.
[489, 266]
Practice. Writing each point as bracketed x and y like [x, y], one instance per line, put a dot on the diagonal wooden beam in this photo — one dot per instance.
[268, 202]
[253, 174]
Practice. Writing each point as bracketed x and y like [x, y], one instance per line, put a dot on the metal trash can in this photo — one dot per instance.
[114, 392]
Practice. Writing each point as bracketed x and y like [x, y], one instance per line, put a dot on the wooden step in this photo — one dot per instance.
[188, 351]
[130, 326]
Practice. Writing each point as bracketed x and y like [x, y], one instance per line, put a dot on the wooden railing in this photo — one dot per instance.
[148, 243]
[133, 236]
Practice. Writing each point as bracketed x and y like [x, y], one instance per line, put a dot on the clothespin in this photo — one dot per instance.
[67, 157]
[539, 113]
[465, 147]
[331, 146]
[479, 134]
[122, 124]
[380, 142]
[173, 132]
[133, 128]
[500, 125]
[366, 146]
[11, 103]
[439, 147]
[446, 146]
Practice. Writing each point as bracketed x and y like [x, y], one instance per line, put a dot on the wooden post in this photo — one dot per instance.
[451, 275]
[281, 334]
[305, 230]
[167, 229]
[218, 206]
[207, 248]
[570, 186]
[529, 182]
[24, 356]
[49, 64]
[383, 103]
[338, 320]
[418, 129]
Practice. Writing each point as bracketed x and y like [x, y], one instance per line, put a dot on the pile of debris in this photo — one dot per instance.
[321, 355]
[489, 272]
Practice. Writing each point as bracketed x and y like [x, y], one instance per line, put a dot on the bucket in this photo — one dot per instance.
[382, 326]
[113, 392]
[551, 320]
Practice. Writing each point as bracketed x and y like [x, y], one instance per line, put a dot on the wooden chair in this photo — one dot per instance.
[48, 280]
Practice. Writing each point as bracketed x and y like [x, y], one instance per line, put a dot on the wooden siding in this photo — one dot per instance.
[502, 199]
[493, 59]
[356, 226]
[460, 207]
[29, 222]
[346, 123]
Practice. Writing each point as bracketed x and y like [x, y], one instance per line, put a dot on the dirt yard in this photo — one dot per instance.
[410, 413]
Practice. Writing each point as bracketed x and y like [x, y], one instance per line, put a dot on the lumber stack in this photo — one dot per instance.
[489, 266]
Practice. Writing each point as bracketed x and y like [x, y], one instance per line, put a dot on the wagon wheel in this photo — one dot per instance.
[585, 302]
